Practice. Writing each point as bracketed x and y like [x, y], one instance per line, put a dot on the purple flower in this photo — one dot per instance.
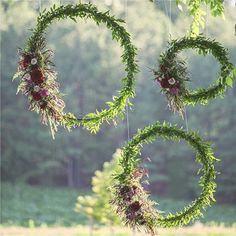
[44, 93]
[174, 90]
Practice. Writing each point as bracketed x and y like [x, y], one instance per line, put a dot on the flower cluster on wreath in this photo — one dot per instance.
[39, 84]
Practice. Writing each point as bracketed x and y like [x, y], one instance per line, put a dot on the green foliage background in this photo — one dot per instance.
[90, 69]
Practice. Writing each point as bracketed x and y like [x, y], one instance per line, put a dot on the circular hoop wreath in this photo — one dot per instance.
[172, 74]
[130, 199]
[39, 76]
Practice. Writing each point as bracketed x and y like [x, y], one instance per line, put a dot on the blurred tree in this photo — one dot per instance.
[97, 207]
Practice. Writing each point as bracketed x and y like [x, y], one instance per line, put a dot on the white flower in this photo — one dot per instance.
[36, 88]
[34, 61]
[27, 77]
[171, 81]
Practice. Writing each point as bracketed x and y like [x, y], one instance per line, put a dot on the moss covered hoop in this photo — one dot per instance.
[39, 77]
[172, 74]
[130, 199]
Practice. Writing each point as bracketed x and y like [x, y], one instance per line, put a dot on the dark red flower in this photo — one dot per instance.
[128, 192]
[36, 96]
[135, 206]
[125, 190]
[25, 61]
[164, 83]
[37, 76]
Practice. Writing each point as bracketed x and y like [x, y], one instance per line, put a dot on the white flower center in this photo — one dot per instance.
[27, 76]
[171, 81]
[34, 61]
[36, 88]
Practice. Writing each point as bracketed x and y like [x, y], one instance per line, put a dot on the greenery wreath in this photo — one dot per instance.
[38, 75]
[130, 199]
[172, 74]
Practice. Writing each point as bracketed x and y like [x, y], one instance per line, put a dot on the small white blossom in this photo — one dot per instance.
[27, 77]
[34, 61]
[171, 81]
[36, 88]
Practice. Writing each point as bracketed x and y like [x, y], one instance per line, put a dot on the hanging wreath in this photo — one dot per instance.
[130, 199]
[173, 76]
[39, 78]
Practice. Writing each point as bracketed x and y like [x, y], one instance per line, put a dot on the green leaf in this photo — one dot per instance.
[234, 72]
[229, 81]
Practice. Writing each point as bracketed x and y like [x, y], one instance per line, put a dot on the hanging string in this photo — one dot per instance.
[206, 24]
[170, 22]
[40, 6]
[186, 118]
[168, 13]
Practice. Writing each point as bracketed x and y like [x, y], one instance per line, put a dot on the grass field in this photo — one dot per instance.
[41, 211]
[196, 230]
[28, 206]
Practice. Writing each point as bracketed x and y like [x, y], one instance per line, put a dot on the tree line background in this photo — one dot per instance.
[90, 71]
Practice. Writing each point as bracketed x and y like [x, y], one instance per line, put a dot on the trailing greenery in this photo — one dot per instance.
[131, 164]
[197, 10]
[174, 67]
[116, 108]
